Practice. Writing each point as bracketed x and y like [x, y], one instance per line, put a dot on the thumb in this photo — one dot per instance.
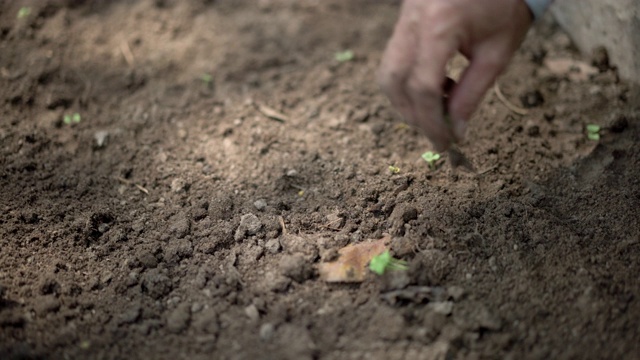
[474, 83]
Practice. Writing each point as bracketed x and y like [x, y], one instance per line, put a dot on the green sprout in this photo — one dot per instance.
[24, 12]
[206, 78]
[431, 157]
[394, 169]
[343, 56]
[68, 119]
[379, 264]
[593, 132]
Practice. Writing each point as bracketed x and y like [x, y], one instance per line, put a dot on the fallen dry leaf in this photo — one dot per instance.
[351, 266]
[574, 69]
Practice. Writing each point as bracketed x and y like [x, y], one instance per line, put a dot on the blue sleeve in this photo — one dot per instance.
[538, 7]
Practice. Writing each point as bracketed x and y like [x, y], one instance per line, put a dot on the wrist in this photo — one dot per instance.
[538, 7]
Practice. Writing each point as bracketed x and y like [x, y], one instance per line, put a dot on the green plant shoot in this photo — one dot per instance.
[343, 56]
[383, 262]
[24, 12]
[431, 157]
[68, 119]
[394, 169]
[593, 132]
[206, 78]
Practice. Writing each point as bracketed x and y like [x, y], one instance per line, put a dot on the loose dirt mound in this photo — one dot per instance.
[150, 224]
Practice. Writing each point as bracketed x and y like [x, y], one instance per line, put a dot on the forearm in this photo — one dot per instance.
[538, 7]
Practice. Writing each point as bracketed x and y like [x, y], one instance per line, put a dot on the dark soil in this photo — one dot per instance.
[151, 229]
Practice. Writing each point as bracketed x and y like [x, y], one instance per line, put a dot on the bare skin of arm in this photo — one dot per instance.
[429, 33]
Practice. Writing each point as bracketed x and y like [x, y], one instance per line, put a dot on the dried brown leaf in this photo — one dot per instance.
[351, 266]
[573, 69]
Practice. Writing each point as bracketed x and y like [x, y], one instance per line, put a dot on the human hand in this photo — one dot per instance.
[428, 34]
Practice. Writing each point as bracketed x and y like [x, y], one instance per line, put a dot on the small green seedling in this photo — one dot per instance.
[431, 157]
[344, 56]
[593, 132]
[206, 78]
[24, 12]
[394, 169]
[383, 262]
[68, 119]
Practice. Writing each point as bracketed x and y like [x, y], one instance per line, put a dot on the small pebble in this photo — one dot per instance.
[442, 307]
[260, 204]
[179, 185]
[456, 292]
[252, 312]
[196, 307]
[249, 225]
[266, 331]
[273, 246]
[101, 138]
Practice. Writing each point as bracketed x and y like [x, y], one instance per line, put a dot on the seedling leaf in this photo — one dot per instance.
[206, 78]
[593, 128]
[383, 262]
[351, 266]
[394, 169]
[24, 12]
[431, 157]
[343, 56]
[593, 132]
[74, 118]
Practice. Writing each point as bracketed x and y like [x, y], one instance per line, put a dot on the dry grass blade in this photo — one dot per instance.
[516, 109]
[272, 113]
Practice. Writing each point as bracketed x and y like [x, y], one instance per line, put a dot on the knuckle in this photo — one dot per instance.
[419, 87]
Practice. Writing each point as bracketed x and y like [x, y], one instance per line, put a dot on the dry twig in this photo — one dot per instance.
[126, 52]
[139, 187]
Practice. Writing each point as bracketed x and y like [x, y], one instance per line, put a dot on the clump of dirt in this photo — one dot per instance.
[153, 227]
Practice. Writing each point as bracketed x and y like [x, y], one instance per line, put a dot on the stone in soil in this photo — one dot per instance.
[260, 204]
[249, 225]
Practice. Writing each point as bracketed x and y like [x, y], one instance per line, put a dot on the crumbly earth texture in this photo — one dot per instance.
[150, 226]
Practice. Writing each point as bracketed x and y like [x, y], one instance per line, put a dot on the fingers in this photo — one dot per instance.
[426, 83]
[396, 64]
[413, 70]
[483, 69]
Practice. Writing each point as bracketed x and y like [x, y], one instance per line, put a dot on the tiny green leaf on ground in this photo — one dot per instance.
[431, 157]
[343, 56]
[206, 78]
[593, 132]
[351, 265]
[381, 263]
[74, 118]
[24, 12]
[394, 169]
